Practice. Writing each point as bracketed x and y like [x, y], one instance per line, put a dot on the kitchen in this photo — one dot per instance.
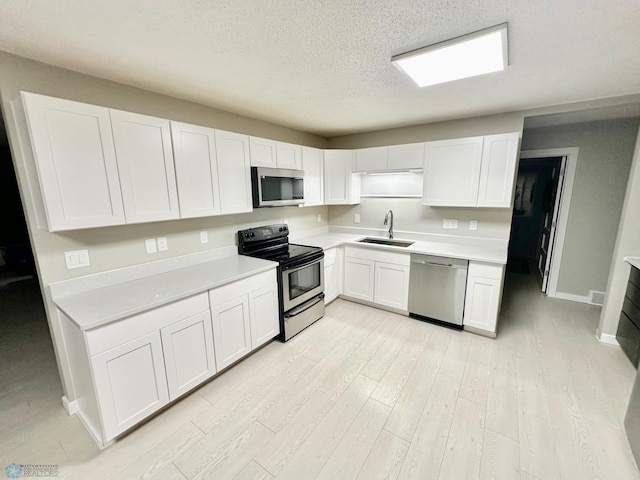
[117, 247]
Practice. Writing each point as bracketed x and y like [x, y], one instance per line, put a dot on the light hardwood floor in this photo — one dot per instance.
[362, 394]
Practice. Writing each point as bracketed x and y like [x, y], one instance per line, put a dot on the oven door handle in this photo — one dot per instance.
[304, 306]
[303, 263]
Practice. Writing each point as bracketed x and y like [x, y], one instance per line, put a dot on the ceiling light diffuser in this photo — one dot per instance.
[475, 54]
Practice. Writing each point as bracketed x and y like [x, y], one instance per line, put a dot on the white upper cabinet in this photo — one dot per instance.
[145, 164]
[341, 185]
[471, 172]
[263, 152]
[196, 165]
[76, 162]
[234, 172]
[312, 161]
[406, 157]
[498, 169]
[371, 159]
[272, 154]
[289, 156]
[451, 172]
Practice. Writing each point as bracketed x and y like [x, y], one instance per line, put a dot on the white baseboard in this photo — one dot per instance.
[70, 407]
[573, 298]
[606, 338]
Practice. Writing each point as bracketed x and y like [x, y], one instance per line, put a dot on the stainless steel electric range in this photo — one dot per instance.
[300, 275]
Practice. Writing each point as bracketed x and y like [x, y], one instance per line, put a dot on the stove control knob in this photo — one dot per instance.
[246, 235]
[280, 229]
[253, 234]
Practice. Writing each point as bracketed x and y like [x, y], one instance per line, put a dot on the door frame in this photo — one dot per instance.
[565, 204]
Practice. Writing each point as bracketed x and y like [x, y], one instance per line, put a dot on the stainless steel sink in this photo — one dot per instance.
[386, 241]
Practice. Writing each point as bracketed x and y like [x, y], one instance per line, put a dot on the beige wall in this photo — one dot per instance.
[604, 159]
[409, 214]
[627, 244]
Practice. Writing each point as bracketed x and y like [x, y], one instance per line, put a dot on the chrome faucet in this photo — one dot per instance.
[388, 219]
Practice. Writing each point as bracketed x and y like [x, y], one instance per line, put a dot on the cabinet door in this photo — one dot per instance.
[313, 182]
[289, 156]
[265, 321]
[340, 186]
[358, 278]
[188, 353]
[451, 172]
[231, 331]
[371, 159]
[76, 162]
[145, 163]
[194, 149]
[498, 169]
[391, 285]
[406, 157]
[330, 290]
[263, 152]
[130, 383]
[482, 301]
[234, 172]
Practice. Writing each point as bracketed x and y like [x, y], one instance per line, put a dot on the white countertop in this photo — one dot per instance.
[635, 261]
[99, 306]
[481, 250]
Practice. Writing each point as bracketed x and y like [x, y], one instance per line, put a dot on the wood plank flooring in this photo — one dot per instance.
[363, 394]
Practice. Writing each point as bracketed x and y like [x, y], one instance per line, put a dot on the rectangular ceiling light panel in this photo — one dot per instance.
[474, 54]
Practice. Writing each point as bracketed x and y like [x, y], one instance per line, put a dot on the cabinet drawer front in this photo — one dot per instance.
[485, 270]
[634, 276]
[631, 310]
[241, 287]
[628, 337]
[329, 256]
[633, 293]
[110, 336]
[377, 255]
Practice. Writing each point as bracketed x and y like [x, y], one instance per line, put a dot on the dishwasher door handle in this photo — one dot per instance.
[425, 262]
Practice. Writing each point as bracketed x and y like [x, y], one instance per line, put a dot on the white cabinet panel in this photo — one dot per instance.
[330, 287]
[391, 285]
[371, 159]
[194, 148]
[341, 185]
[234, 172]
[188, 353]
[498, 169]
[312, 163]
[406, 157]
[263, 308]
[482, 299]
[263, 152]
[130, 383]
[231, 330]
[359, 278]
[145, 165]
[451, 172]
[288, 156]
[76, 162]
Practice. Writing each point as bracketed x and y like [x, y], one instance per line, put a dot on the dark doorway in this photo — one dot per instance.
[534, 203]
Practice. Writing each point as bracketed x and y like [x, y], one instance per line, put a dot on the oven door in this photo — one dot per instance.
[302, 282]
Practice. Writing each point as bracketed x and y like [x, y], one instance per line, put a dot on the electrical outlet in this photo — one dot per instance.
[77, 259]
[150, 245]
[319, 218]
[162, 244]
[450, 223]
[204, 237]
[473, 224]
[356, 218]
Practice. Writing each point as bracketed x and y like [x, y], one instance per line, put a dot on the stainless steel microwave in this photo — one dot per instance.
[276, 187]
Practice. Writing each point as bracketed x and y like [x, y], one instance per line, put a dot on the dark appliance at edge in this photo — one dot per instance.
[300, 275]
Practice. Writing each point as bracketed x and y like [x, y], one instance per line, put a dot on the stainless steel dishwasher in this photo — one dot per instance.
[437, 287]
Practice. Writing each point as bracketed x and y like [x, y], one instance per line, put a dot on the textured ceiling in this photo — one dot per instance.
[323, 65]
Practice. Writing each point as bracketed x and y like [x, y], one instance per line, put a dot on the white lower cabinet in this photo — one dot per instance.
[244, 315]
[482, 300]
[377, 276]
[130, 383]
[333, 265]
[188, 353]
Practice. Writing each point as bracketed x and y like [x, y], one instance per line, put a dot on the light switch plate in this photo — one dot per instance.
[473, 225]
[162, 244]
[450, 223]
[77, 259]
[356, 218]
[150, 245]
[204, 237]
